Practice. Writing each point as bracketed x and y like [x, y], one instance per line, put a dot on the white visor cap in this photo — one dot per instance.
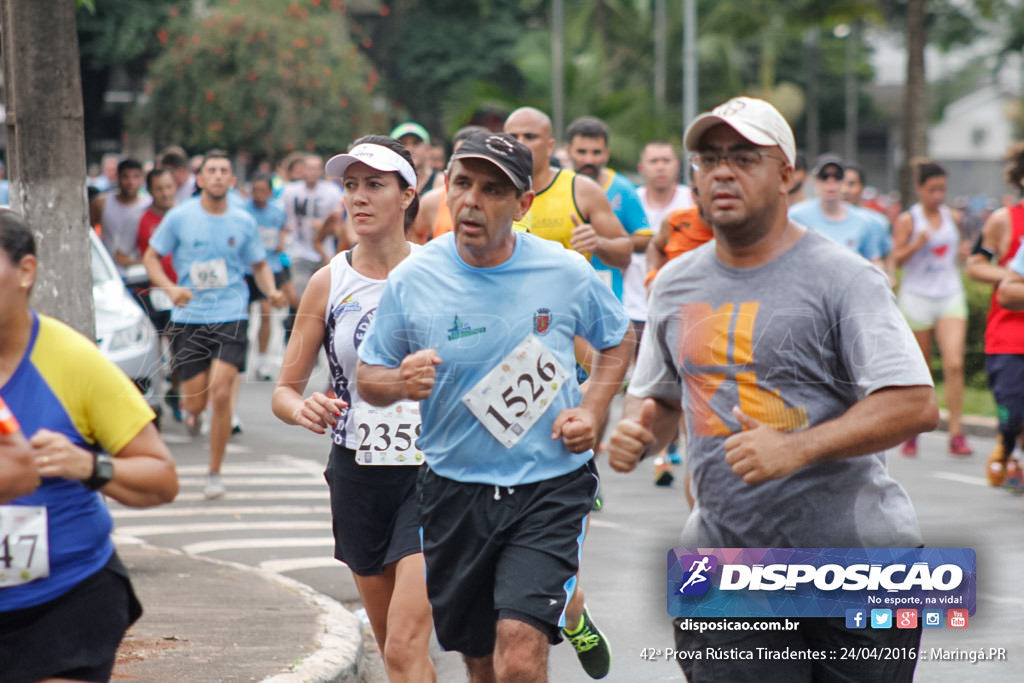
[375, 156]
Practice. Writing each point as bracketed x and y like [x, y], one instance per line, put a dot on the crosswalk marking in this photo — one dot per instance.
[144, 530]
[245, 468]
[230, 480]
[235, 496]
[206, 511]
[961, 478]
[297, 563]
[290, 490]
[257, 543]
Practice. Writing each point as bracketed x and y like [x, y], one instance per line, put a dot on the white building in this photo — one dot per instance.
[971, 138]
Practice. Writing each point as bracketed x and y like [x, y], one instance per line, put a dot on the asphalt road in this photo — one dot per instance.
[276, 515]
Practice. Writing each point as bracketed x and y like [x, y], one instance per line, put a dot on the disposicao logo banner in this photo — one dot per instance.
[817, 582]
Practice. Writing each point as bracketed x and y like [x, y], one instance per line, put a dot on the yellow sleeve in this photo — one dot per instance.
[104, 405]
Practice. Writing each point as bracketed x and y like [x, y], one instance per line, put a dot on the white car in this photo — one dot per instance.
[124, 332]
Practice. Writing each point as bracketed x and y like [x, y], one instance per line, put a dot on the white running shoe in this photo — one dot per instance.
[214, 487]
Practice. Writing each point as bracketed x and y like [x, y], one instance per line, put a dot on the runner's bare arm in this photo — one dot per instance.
[264, 278]
[1010, 294]
[179, 295]
[611, 242]
[422, 228]
[144, 473]
[413, 380]
[993, 240]
[656, 257]
[317, 412]
[904, 244]
[880, 420]
[96, 208]
[576, 426]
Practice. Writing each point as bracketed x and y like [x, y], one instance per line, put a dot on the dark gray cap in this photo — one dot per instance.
[511, 156]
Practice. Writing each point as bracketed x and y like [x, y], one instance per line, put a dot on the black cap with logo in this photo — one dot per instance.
[511, 156]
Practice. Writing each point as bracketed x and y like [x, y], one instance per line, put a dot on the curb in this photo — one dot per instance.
[973, 425]
[339, 641]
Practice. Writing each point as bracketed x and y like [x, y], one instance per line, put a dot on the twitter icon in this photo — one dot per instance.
[881, 618]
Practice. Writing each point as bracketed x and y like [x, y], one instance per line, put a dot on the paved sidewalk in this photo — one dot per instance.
[209, 620]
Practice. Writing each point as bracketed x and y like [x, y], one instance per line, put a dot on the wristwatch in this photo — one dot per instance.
[102, 472]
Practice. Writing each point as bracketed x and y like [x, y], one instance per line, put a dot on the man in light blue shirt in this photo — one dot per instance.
[828, 214]
[589, 151]
[212, 242]
[478, 327]
[853, 194]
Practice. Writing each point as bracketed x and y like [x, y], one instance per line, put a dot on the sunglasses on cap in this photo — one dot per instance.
[834, 174]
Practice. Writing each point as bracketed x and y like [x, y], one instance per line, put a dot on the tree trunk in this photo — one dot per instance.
[915, 137]
[46, 152]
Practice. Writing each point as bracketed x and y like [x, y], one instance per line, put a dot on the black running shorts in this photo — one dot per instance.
[194, 347]
[373, 512]
[255, 294]
[1006, 381]
[502, 553]
[74, 636]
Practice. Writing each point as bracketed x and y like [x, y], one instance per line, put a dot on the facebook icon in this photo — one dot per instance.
[856, 618]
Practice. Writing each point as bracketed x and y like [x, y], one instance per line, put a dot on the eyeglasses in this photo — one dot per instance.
[830, 175]
[743, 159]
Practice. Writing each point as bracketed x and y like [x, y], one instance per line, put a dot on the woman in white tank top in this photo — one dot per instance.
[927, 245]
[373, 505]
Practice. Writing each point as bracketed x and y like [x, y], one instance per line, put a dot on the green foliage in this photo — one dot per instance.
[424, 50]
[260, 75]
[121, 32]
[979, 296]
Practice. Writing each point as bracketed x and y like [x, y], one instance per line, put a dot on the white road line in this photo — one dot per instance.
[601, 522]
[1001, 599]
[144, 530]
[256, 543]
[961, 478]
[182, 439]
[254, 495]
[295, 564]
[313, 467]
[208, 510]
[236, 469]
[269, 480]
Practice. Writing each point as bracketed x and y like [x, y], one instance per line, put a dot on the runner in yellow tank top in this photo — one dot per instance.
[568, 208]
[554, 209]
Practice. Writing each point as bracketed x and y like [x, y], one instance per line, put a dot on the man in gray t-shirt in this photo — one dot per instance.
[794, 369]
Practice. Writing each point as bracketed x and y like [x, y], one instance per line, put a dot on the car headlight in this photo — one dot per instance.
[138, 334]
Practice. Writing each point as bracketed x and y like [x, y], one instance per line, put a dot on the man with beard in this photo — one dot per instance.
[589, 151]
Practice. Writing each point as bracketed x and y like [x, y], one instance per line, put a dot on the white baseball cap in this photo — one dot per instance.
[756, 120]
[375, 156]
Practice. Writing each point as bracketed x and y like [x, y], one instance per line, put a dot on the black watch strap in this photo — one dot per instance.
[102, 471]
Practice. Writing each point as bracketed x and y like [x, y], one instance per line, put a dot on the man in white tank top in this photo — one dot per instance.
[118, 215]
